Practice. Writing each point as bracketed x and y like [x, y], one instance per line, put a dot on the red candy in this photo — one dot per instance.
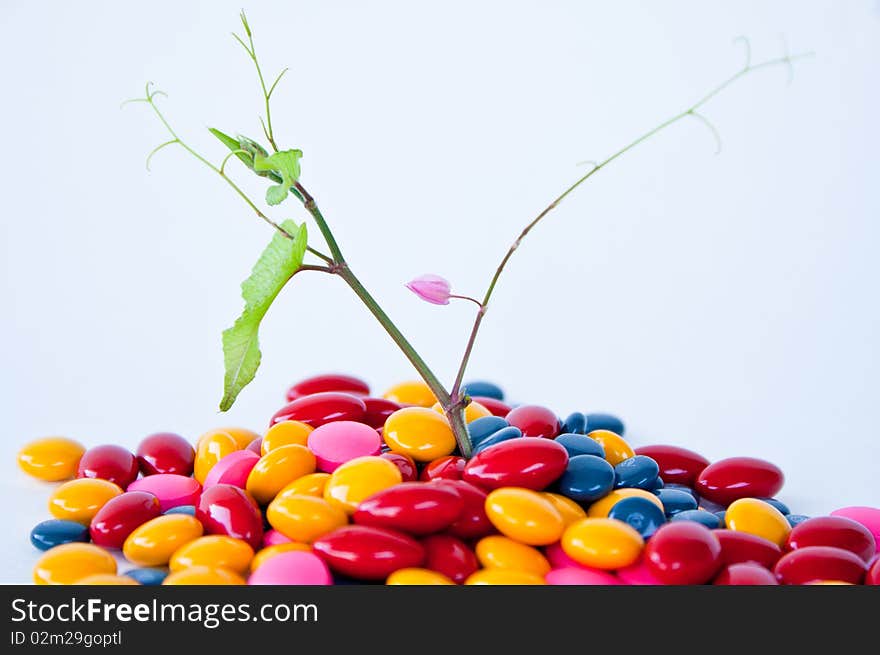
[328, 382]
[450, 467]
[834, 531]
[534, 421]
[683, 552]
[449, 556]
[730, 479]
[408, 470]
[119, 517]
[368, 553]
[321, 408]
[224, 509]
[414, 507]
[745, 573]
[378, 410]
[495, 406]
[473, 522]
[165, 452]
[872, 577]
[528, 462]
[738, 547]
[677, 465]
[112, 463]
[812, 563]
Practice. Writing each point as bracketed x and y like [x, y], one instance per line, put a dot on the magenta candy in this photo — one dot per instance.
[580, 576]
[837, 531]
[872, 577]
[171, 490]
[530, 462]
[559, 559]
[224, 509]
[321, 408]
[405, 464]
[328, 382]
[638, 574]
[812, 563]
[730, 479]
[450, 556]
[112, 463]
[333, 444]
[867, 516]
[292, 568]
[534, 421]
[417, 508]
[367, 553]
[378, 410]
[473, 522]
[119, 517]
[683, 552]
[745, 573]
[273, 538]
[256, 446]
[165, 452]
[232, 469]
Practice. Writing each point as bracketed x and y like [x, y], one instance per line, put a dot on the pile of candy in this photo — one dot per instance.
[345, 488]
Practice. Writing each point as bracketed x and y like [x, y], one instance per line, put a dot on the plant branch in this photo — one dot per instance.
[267, 94]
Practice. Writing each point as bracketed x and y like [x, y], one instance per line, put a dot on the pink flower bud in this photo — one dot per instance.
[430, 288]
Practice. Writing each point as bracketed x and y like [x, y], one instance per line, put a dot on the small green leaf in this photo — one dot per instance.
[241, 348]
[285, 163]
[275, 195]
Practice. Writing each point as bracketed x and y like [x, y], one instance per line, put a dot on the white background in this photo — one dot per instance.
[724, 303]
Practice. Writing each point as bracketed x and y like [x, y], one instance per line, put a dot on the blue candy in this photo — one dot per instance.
[575, 423]
[482, 388]
[796, 519]
[586, 478]
[710, 520]
[639, 472]
[579, 444]
[722, 516]
[681, 487]
[485, 427]
[658, 484]
[148, 577]
[504, 434]
[778, 504]
[182, 509]
[55, 532]
[640, 513]
[604, 422]
[676, 500]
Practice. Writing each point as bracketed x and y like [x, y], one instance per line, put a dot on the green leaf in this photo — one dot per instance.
[284, 163]
[241, 348]
[249, 146]
[275, 195]
[233, 144]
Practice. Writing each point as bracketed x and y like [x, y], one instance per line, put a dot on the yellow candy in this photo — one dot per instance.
[286, 433]
[524, 515]
[601, 507]
[567, 508]
[271, 551]
[278, 468]
[358, 479]
[829, 582]
[107, 579]
[215, 551]
[411, 393]
[68, 563]
[308, 485]
[417, 577]
[79, 500]
[503, 577]
[758, 518]
[242, 436]
[616, 449]
[471, 413]
[602, 543]
[204, 575]
[304, 518]
[154, 542]
[419, 432]
[51, 459]
[212, 447]
[503, 553]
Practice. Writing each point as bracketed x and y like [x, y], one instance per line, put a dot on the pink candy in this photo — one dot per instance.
[232, 469]
[340, 441]
[638, 574]
[273, 538]
[580, 576]
[867, 516]
[292, 568]
[172, 490]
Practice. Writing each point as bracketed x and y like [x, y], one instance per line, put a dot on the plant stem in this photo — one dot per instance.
[690, 111]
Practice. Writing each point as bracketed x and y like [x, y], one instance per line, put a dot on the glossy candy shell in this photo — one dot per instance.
[285, 433]
[534, 421]
[683, 553]
[165, 452]
[321, 408]
[421, 433]
[586, 479]
[358, 479]
[335, 443]
[616, 449]
[405, 464]
[292, 568]
[449, 556]
[416, 508]
[529, 462]
[812, 563]
[602, 543]
[677, 465]
[501, 552]
[109, 462]
[68, 563]
[203, 575]
[836, 531]
[171, 490]
[747, 573]
[730, 479]
[224, 509]
[79, 500]
[418, 577]
[328, 382]
[472, 522]
[233, 469]
[51, 459]
[524, 515]
[411, 393]
[447, 468]
[154, 542]
[304, 518]
[580, 444]
[212, 447]
[367, 553]
[213, 551]
[738, 547]
[278, 468]
[55, 532]
[758, 518]
[120, 516]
